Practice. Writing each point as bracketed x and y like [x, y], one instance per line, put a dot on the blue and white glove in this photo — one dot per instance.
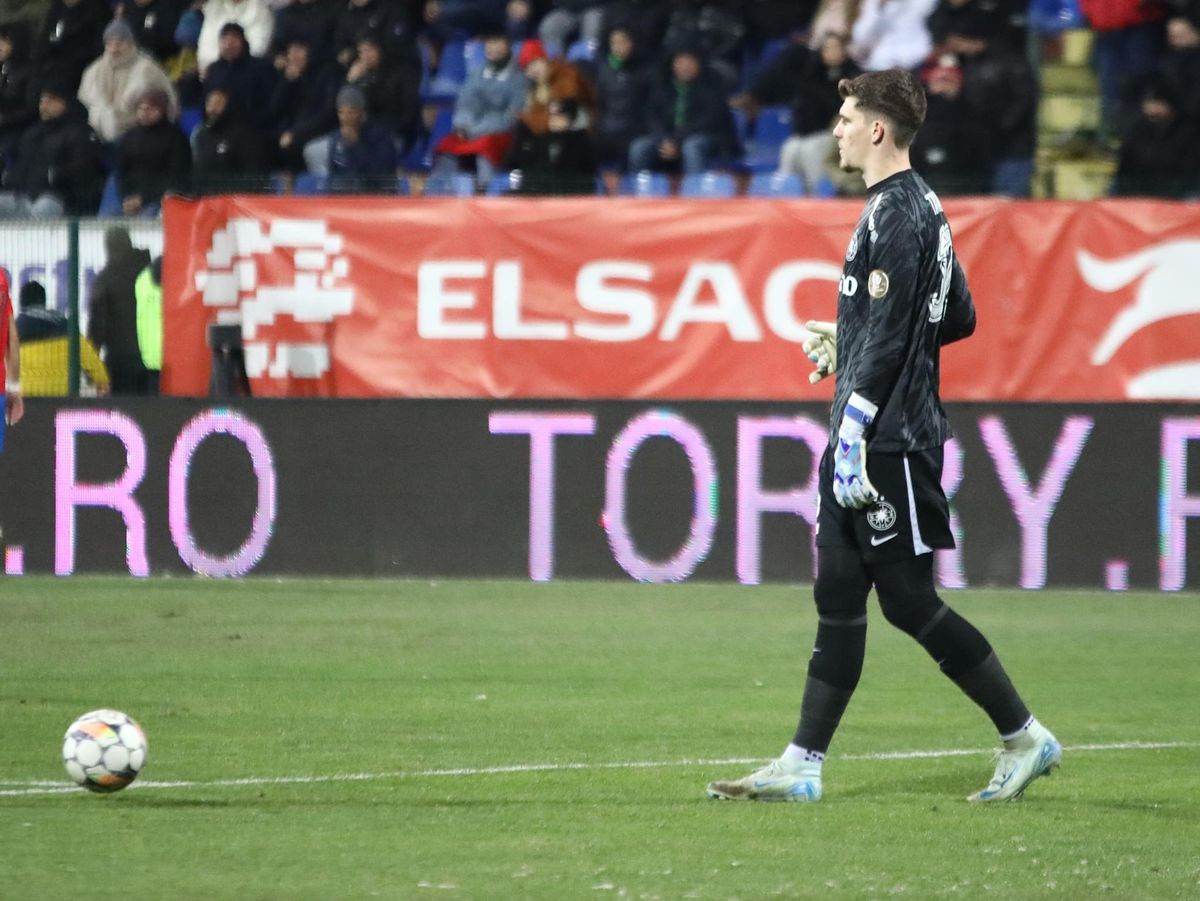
[851, 487]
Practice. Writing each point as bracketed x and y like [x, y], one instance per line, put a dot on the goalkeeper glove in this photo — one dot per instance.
[821, 348]
[851, 487]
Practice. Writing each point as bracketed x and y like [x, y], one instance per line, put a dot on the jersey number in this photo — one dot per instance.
[945, 258]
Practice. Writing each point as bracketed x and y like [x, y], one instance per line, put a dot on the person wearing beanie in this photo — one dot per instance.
[358, 155]
[550, 80]
[248, 80]
[113, 84]
[229, 153]
[152, 158]
[45, 364]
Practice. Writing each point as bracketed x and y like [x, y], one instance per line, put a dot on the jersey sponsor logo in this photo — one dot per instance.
[877, 540]
[1167, 275]
[848, 285]
[877, 284]
[881, 517]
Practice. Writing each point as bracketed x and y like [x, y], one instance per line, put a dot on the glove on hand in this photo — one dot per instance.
[851, 487]
[821, 348]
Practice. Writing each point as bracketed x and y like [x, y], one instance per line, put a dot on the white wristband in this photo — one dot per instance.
[12, 387]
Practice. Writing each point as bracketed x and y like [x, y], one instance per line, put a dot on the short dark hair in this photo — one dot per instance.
[895, 94]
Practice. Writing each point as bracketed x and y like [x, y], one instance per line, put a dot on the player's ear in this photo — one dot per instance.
[877, 132]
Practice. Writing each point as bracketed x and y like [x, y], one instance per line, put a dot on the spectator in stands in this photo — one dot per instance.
[768, 20]
[688, 123]
[622, 92]
[806, 80]
[1180, 66]
[393, 90]
[229, 153]
[113, 84]
[448, 19]
[302, 106]
[891, 34]
[254, 16]
[311, 22]
[18, 97]
[570, 20]
[248, 81]
[484, 114]
[1158, 150]
[393, 25]
[147, 294]
[836, 16]
[1129, 37]
[713, 28]
[560, 160]
[112, 317]
[360, 154]
[58, 165]
[952, 151]
[553, 79]
[154, 23]
[45, 360]
[70, 40]
[1000, 87]
[522, 18]
[152, 158]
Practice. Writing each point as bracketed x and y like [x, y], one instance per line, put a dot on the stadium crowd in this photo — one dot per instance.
[108, 106]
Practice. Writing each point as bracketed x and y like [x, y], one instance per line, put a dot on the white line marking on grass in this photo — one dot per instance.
[33, 787]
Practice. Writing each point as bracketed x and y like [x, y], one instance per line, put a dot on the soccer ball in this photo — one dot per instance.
[104, 750]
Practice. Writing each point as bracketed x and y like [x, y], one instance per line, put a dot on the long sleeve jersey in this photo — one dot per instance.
[902, 296]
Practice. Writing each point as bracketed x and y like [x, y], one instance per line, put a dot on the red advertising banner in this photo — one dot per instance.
[666, 299]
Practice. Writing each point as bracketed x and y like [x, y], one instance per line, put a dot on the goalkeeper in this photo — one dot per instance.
[902, 296]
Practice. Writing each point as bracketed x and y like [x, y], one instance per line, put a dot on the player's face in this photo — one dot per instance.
[853, 133]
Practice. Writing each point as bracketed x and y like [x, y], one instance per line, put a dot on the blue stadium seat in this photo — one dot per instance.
[403, 188]
[502, 182]
[451, 71]
[189, 118]
[775, 184]
[645, 184]
[110, 200]
[709, 185]
[582, 51]
[773, 125]
[308, 184]
[459, 185]
[825, 188]
[419, 157]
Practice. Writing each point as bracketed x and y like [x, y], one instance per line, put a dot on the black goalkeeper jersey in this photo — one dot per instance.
[902, 296]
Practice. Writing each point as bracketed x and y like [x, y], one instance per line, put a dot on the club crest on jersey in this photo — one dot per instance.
[877, 284]
[882, 516]
[852, 250]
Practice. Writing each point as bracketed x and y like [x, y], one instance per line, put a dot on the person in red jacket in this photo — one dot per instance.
[12, 407]
[1129, 37]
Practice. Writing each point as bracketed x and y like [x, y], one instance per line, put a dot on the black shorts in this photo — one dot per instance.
[911, 517]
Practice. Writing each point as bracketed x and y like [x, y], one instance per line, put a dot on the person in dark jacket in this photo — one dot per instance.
[112, 314]
[302, 106]
[622, 91]
[18, 96]
[249, 81]
[806, 80]
[359, 154]
[1158, 149]
[228, 154]
[951, 151]
[392, 87]
[71, 37]
[1179, 67]
[688, 124]
[154, 23]
[312, 23]
[152, 158]
[560, 161]
[394, 25]
[58, 164]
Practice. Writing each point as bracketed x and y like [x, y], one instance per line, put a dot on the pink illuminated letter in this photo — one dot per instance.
[1175, 504]
[541, 429]
[1034, 509]
[244, 559]
[753, 500]
[117, 495]
[704, 480]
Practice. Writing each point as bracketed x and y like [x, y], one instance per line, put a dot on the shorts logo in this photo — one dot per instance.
[877, 283]
[882, 516]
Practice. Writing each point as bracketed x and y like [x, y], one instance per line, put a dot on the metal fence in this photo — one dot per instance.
[64, 256]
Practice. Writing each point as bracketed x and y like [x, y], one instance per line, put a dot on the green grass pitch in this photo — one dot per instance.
[373, 739]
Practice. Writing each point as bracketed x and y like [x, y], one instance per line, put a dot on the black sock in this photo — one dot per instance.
[833, 674]
[988, 686]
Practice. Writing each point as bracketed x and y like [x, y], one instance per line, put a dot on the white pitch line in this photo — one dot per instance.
[42, 787]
